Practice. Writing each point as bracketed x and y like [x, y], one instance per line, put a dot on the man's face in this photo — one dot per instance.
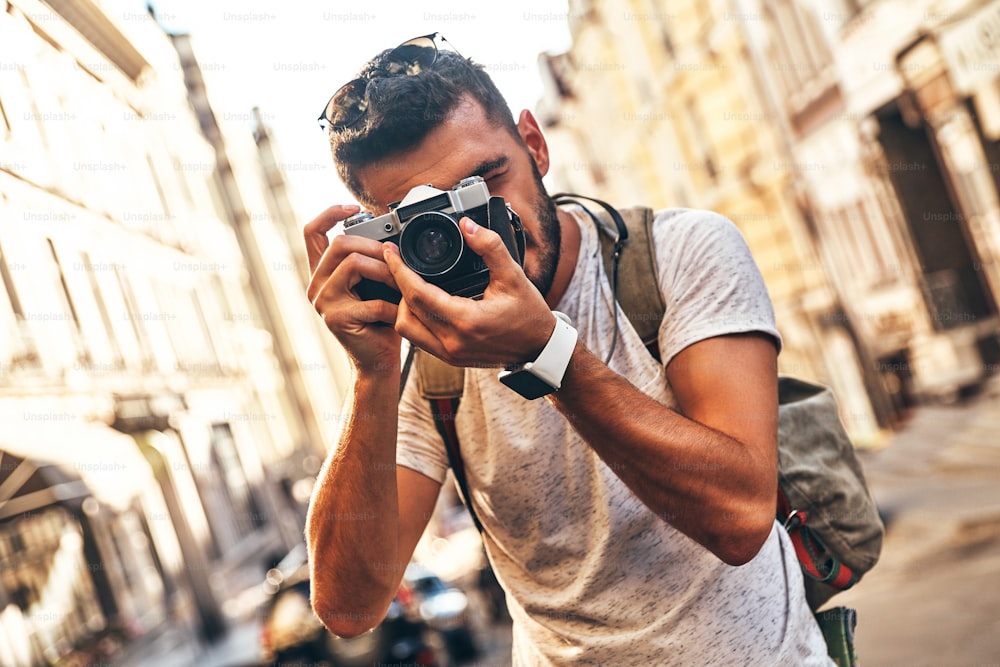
[468, 144]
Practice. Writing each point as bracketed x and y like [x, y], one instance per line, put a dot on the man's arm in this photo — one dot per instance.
[365, 517]
[709, 470]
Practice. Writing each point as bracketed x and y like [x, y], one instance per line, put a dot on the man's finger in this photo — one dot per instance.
[341, 247]
[315, 231]
[488, 245]
[411, 327]
[407, 280]
[426, 300]
[357, 267]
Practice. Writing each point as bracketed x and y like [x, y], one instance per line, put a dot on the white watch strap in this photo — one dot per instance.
[551, 364]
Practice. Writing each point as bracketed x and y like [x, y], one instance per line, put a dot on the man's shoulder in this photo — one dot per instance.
[680, 219]
[679, 232]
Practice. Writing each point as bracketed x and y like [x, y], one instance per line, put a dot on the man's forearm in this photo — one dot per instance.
[352, 527]
[710, 486]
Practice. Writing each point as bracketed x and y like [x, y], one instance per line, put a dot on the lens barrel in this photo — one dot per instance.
[431, 243]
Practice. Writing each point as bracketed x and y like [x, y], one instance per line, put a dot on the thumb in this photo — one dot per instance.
[487, 244]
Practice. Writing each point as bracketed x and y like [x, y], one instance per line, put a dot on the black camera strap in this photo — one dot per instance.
[620, 237]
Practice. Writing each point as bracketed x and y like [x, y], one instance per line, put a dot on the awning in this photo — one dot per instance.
[28, 485]
[58, 457]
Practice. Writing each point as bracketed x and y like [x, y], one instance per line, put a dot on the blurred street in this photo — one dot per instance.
[930, 601]
[179, 646]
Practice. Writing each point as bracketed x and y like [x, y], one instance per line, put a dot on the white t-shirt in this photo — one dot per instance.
[593, 576]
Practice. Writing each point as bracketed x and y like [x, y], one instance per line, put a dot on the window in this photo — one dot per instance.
[6, 121]
[48, 556]
[89, 268]
[702, 146]
[239, 501]
[663, 22]
[134, 315]
[8, 283]
[799, 53]
[866, 243]
[209, 353]
[35, 111]
[159, 187]
[21, 349]
[82, 353]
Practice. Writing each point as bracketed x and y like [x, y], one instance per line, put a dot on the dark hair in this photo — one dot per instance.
[402, 110]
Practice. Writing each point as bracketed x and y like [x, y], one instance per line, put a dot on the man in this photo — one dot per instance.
[629, 514]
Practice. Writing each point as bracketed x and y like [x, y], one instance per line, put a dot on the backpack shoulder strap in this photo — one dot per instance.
[441, 385]
[637, 280]
[633, 274]
[436, 379]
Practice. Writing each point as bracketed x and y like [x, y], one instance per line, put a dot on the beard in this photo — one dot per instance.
[548, 241]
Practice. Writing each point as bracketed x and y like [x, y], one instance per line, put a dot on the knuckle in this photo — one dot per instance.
[452, 348]
[338, 245]
[490, 238]
[352, 262]
[386, 311]
[417, 301]
[331, 318]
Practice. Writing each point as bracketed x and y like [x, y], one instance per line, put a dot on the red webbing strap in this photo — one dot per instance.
[816, 561]
[443, 410]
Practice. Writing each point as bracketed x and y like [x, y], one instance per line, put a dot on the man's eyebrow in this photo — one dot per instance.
[486, 166]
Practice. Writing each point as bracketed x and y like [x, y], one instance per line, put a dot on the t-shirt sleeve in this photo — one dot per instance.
[710, 282]
[418, 443]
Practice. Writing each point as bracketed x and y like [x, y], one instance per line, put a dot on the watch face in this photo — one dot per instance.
[526, 384]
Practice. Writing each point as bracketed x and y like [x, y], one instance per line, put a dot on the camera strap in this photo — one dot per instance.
[619, 237]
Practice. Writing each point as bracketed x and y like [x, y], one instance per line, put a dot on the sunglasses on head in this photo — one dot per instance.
[350, 103]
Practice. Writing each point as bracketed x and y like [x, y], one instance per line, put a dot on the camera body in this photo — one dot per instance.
[425, 227]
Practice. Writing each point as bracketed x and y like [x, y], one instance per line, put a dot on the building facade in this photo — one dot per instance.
[154, 421]
[660, 103]
[896, 106]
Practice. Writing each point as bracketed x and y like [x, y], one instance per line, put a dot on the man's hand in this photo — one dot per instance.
[510, 324]
[336, 267]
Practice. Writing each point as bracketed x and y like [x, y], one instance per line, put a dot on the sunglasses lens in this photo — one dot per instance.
[350, 103]
[347, 104]
[411, 57]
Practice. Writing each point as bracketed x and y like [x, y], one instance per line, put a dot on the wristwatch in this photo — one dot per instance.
[544, 375]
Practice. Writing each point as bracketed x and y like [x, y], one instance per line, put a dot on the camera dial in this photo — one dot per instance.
[357, 218]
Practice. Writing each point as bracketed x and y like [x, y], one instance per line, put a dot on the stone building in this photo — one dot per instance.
[155, 420]
[660, 103]
[892, 115]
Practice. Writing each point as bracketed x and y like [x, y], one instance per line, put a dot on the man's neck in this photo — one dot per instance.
[569, 249]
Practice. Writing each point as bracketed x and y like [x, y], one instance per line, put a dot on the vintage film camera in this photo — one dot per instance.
[425, 227]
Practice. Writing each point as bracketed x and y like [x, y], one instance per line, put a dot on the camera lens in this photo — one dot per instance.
[431, 243]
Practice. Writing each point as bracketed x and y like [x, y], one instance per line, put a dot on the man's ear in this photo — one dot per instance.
[534, 140]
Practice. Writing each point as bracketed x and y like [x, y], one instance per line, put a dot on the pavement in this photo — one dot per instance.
[934, 596]
[174, 645]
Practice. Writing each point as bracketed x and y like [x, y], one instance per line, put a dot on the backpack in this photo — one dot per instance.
[823, 499]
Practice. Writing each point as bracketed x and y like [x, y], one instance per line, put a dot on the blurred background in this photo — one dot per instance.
[167, 393]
